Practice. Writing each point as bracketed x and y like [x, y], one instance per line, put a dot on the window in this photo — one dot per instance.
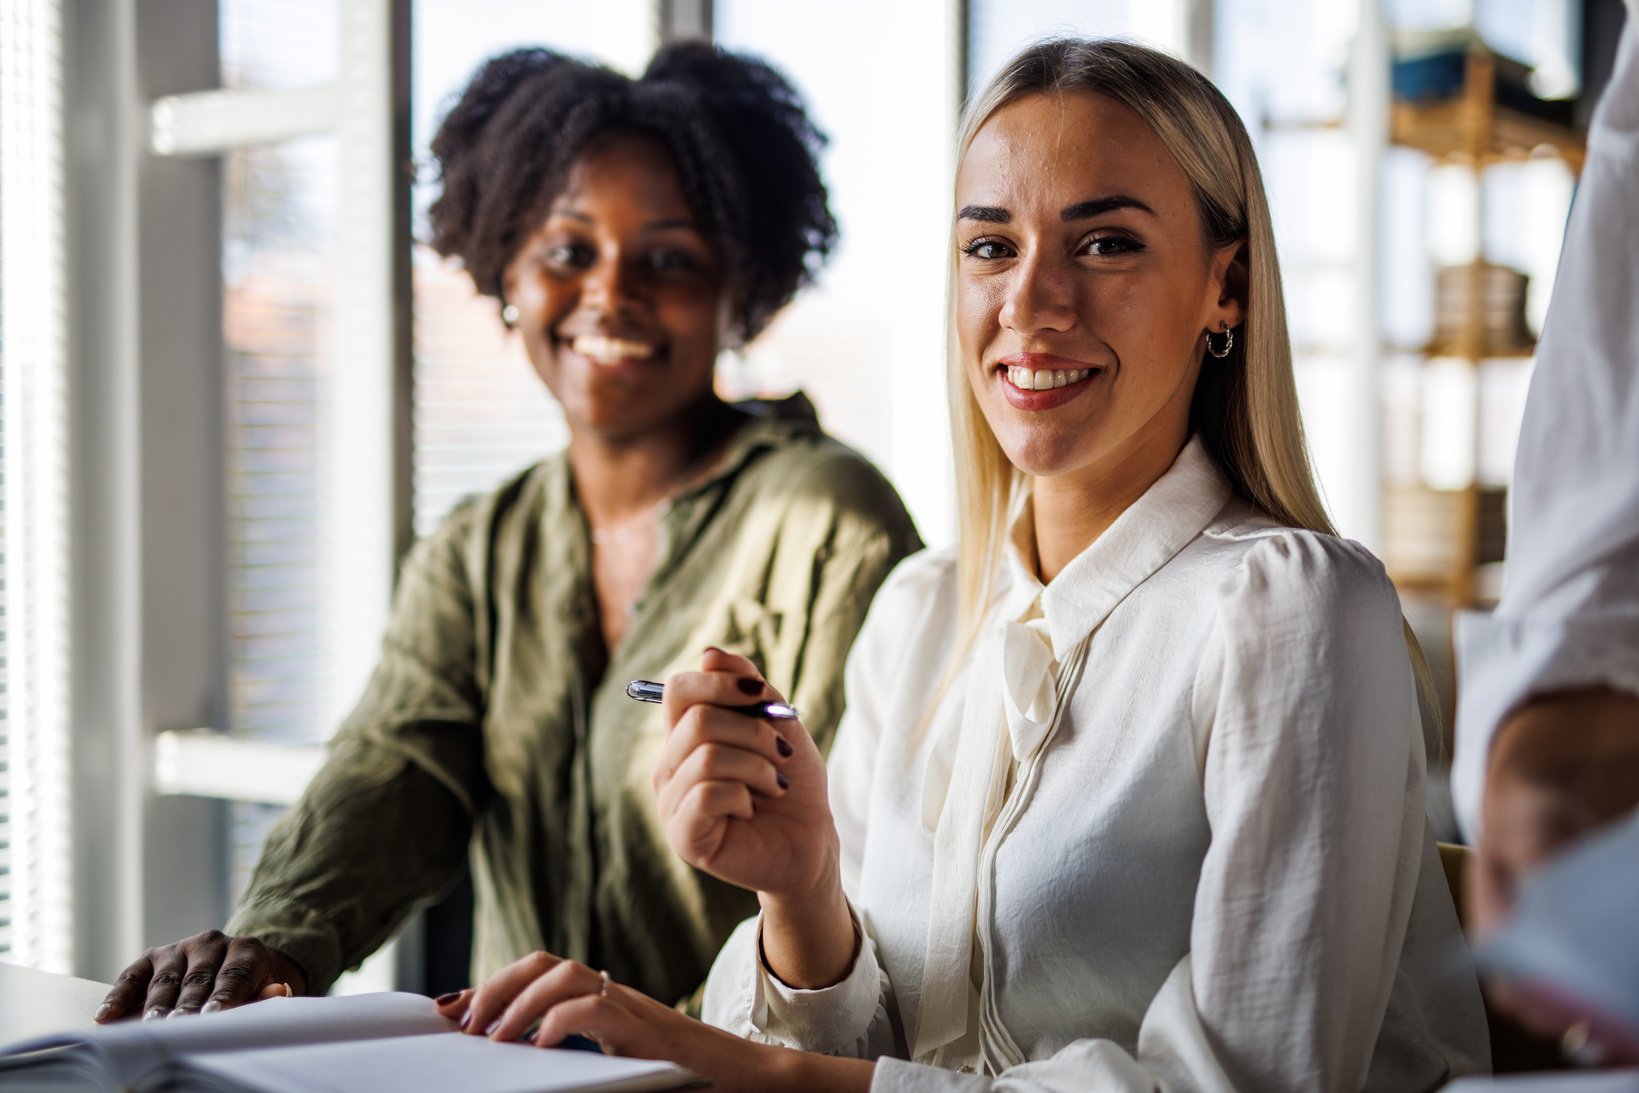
[35, 888]
[867, 343]
[278, 257]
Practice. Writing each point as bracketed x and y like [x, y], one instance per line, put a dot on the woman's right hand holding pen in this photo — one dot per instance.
[744, 799]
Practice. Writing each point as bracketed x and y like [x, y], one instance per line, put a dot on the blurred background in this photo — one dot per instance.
[235, 385]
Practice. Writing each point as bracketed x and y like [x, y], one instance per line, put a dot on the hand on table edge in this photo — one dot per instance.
[201, 974]
[544, 999]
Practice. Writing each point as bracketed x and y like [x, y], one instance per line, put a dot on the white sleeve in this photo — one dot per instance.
[1313, 782]
[1569, 615]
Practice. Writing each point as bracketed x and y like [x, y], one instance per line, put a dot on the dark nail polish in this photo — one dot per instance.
[785, 783]
[783, 746]
[446, 999]
[749, 686]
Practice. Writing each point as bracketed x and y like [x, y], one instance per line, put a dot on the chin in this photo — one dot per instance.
[1046, 456]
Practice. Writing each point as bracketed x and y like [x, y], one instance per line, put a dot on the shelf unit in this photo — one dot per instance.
[1438, 541]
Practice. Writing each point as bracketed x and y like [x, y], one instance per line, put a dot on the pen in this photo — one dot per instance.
[648, 691]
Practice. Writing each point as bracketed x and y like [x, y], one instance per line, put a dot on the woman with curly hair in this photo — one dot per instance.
[628, 230]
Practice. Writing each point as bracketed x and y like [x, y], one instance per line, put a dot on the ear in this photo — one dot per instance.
[509, 281]
[1229, 279]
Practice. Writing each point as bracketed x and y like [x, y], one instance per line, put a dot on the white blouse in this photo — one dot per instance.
[1199, 858]
[1569, 615]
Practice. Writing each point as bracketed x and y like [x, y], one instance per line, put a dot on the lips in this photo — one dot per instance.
[1042, 381]
[610, 351]
[1045, 379]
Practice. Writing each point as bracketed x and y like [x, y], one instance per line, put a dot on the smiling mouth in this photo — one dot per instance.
[603, 349]
[1043, 379]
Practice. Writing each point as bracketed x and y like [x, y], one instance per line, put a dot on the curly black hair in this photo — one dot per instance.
[744, 148]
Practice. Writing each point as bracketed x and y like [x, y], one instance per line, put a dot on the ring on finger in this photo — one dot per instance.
[603, 984]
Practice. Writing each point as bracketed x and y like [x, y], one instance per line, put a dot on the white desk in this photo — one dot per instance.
[34, 1003]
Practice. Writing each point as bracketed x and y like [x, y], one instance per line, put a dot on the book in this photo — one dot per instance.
[308, 1045]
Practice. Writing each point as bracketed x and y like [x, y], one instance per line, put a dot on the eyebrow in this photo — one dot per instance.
[1086, 210]
[653, 226]
[1081, 210]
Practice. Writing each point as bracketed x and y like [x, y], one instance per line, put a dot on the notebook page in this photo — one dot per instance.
[133, 1047]
[436, 1063]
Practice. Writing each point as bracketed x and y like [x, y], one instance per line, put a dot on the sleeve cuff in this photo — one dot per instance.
[830, 1019]
[745, 998]
[1504, 661]
[302, 934]
[900, 1076]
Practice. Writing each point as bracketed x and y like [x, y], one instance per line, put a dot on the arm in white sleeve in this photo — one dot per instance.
[1569, 615]
[1313, 788]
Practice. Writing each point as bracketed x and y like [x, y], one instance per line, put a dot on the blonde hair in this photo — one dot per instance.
[1245, 407]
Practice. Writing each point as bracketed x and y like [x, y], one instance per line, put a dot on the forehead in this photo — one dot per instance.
[1050, 150]
[632, 169]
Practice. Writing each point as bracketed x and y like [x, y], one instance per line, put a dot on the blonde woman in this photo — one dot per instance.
[1129, 790]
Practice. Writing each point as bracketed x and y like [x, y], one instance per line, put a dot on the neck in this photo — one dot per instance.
[619, 479]
[1073, 510]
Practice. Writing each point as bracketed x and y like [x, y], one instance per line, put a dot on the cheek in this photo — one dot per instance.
[690, 313]
[977, 305]
[545, 300]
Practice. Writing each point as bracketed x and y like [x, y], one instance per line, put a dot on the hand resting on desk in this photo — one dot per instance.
[205, 972]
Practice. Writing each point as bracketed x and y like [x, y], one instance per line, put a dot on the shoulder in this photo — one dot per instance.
[926, 579]
[912, 618]
[917, 600]
[811, 464]
[1281, 579]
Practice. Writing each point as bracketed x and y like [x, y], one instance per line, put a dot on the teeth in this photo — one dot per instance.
[1026, 379]
[606, 350]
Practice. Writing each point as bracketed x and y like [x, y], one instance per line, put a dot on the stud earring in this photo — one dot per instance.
[1229, 343]
[509, 315]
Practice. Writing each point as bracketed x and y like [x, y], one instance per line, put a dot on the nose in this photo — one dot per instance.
[610, 285]
[1039, 296]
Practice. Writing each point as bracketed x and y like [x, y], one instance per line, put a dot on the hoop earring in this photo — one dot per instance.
[1229, 343]
[509, 315]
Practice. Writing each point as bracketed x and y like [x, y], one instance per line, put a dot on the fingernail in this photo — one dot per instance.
[783, 746]
[446, 999]
[711, 649]
[493, 1025]
[178, 1012]
[103, 1011]
[154, 1014]
[212, 1006]
[749, 686]
[466, 1019]
[785, 783]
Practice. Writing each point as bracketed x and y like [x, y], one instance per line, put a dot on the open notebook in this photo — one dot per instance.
[296, 1045]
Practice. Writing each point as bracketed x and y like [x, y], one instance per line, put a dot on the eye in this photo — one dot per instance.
[671, 260]
[568, 255]
[1111, 246]
[987, 250]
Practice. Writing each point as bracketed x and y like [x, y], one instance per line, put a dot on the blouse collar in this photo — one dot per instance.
[1170, 514]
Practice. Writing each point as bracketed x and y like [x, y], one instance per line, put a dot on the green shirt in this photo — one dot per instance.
[492, 728]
